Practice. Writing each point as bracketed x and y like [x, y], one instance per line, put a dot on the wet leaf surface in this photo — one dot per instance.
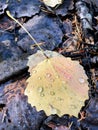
[53, 83]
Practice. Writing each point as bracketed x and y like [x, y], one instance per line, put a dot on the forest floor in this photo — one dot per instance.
[70, 29]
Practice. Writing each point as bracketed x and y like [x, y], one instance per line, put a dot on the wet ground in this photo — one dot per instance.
[65, 29]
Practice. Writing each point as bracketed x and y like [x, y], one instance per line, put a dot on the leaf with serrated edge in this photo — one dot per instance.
[57, 85]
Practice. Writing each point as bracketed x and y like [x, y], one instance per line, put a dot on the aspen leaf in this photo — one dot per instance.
[57, 85]
[52, 3]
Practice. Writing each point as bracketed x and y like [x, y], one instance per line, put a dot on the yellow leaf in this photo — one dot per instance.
[52, 3]
[57, 85]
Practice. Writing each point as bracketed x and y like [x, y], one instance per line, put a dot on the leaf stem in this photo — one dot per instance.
[9, 14]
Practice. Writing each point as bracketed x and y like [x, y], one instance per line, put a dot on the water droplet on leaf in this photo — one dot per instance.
[52, 93]
[57, 76]
[48, 75]
[54, 110]
[42, 94]
[52, 80]
[55, 88]
[40, 89]
[81, 80]
[73, 106]
[59, 99]
[34, 71]
[39, 78]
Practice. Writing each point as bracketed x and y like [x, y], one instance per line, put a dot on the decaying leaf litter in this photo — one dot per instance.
[82, 50]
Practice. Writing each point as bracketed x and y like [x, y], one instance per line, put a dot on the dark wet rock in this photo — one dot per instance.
[24, 8]
[18, 114]
[3, 6]
[11, 67]
[55, 122]
[92, 111]
[8, 47]
[44, 29]
[67, 24]
[23, 115]
[91, 119]
[12, 59]
[65, 7]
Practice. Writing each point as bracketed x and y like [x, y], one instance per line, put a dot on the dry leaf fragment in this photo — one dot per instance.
[52, 3]
[57, 85]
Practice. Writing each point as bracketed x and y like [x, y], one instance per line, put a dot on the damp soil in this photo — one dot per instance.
[71, 29]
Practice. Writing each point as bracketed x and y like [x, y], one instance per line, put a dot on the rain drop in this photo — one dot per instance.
[27, 92]
[54, 110]
[52, 93]
[59, 99]
[63, 82]
[48, 75]
[64, 87]
[81, 80]
[34, 71]
[42, 94]
[73, 107]
[57, 76]
[39, 78]
[52, 80]
[40, 89]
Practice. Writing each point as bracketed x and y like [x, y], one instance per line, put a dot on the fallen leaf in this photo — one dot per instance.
[52, 3]
[57, 85]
